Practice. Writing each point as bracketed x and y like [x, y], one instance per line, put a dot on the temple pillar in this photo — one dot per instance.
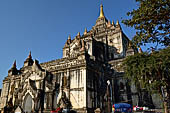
[51, 100]
[85, 87]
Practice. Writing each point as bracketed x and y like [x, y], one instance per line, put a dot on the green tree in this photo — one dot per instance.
[150, 70]
[151, 21]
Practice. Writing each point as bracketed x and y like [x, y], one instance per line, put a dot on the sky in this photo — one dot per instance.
[43, 26]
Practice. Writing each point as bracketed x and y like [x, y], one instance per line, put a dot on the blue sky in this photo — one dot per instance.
[42, 26]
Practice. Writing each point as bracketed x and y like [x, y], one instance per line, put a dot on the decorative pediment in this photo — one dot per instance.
[35, 72]
[18, 110]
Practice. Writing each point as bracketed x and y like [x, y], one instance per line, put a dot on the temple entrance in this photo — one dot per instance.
[28, 104]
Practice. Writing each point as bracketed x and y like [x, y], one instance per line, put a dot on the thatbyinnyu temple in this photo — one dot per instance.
[87, 77]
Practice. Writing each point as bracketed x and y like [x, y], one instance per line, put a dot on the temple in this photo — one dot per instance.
[87, 77]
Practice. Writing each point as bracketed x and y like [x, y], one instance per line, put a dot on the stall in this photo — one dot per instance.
[122, 107]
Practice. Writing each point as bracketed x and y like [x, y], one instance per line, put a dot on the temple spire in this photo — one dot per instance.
[117, 23]
[108, 24]
[113, 23]
[69, 40]
[13, 70]
[30, 57]
[85, 31]
[28, 61]
[78, 34]
[14, 64]
[69, 37]
[101, 12]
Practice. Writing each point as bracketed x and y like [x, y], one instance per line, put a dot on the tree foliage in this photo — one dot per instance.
[151, 71]
[152, 22]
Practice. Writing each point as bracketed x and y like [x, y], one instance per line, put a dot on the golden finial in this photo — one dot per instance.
[85, 31]
[108, 24]
[101, 12]
[117, 23]
[113, 23]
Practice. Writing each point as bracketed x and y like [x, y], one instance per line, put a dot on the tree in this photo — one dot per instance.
[152, 22]
[150, 70]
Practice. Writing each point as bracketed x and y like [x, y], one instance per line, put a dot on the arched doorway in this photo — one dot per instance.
[28, 103]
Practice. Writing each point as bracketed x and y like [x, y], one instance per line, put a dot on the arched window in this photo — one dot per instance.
[28, 103]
